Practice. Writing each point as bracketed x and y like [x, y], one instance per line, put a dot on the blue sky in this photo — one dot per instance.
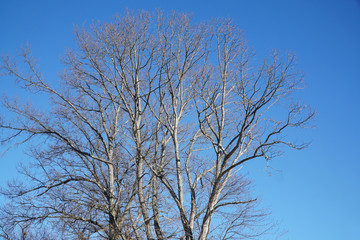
[316, 192]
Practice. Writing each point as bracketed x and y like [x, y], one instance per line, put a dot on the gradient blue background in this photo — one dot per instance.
[316, 193]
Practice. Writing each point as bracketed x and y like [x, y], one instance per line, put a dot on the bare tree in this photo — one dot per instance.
[148, 131]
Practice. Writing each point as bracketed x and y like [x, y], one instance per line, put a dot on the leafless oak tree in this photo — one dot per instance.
[147, 131]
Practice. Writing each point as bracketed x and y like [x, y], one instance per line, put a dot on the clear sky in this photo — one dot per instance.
[316, 193]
